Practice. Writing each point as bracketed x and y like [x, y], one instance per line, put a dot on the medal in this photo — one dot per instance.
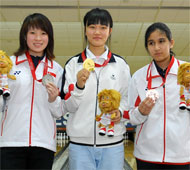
[152, 93]
[89, 64]
[47, 79]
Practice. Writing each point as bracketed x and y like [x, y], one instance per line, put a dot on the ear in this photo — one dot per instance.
[110, 31]
[172, 42]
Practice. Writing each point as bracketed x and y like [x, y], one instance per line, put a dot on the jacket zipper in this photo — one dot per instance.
[96, 108]
[31, 112]
[163, 159]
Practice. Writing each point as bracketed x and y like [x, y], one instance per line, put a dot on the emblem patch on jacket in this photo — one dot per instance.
[113, 77]
[17, 72]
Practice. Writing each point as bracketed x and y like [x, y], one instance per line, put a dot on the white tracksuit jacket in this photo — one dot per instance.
[163, 135]
[29, 119]
[83, 104]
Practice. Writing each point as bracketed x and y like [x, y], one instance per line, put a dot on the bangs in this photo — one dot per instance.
[97, 19]
[38, 23]
[98, 16]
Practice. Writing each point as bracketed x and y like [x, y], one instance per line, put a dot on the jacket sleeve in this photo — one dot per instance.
[57, 108]
[1, 104]
[70, 93]
[126, 78]
[134, 116]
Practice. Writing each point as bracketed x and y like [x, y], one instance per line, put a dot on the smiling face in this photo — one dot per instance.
[159, 48]
[37, 41]
[5, 63]
[97, 35]
[109, 100]
[105, 103]
[183, 75]
[186, 77]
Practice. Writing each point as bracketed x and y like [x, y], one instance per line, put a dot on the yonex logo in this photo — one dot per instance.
[17, 72]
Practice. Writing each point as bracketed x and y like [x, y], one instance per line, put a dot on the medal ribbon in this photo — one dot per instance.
[98, 65]
[32, 68]
[150, 77]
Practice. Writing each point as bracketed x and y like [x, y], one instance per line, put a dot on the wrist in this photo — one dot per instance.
[81, 88]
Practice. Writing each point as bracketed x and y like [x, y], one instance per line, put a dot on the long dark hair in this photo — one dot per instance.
[161, 27]
[38, 21]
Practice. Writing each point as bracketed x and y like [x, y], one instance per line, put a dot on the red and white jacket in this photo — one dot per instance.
[164, 135]
[28, 118]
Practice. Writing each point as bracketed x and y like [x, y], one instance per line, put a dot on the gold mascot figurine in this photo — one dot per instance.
[183, 78]
[109, 100]
[5, 67]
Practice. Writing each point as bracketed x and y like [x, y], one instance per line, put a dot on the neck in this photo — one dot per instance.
[163, 64]
[35, 54]
[97, 51]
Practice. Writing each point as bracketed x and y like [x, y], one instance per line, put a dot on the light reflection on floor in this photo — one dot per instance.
[129, 148]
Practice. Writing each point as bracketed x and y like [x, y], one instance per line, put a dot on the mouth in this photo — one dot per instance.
[104, 104]
[97, 38]
[37, 44]
[2, 65]
[158, 54]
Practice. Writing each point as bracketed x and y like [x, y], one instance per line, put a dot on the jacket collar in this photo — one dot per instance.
[80, 60]
[23, 58]
[173, 67]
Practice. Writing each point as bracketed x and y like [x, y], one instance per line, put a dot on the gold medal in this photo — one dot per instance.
[89, 64]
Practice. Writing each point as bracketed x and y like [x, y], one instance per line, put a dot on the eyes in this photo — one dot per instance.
[160, 41]
[33, 32]
[105, 98]
[102, 27]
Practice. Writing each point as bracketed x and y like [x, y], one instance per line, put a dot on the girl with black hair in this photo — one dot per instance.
[162, 134]
[28, 127]
[87, 149]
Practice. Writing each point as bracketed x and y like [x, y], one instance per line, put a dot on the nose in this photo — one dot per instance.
[38, 37]
[157, 47]
[97, 31]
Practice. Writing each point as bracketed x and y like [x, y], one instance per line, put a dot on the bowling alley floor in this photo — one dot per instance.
[129, 147]
[61, 156]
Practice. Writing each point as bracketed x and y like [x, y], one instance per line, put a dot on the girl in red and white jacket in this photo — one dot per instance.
[163, 130]
[28, 127]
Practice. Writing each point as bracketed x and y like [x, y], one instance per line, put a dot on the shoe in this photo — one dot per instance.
[6, 93]
[110, 133]
[102, 131]
[188, 106]
[182, 105]
[1, 91]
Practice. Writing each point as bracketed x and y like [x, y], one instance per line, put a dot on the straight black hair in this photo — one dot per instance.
[161, 27]
[96, 16]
